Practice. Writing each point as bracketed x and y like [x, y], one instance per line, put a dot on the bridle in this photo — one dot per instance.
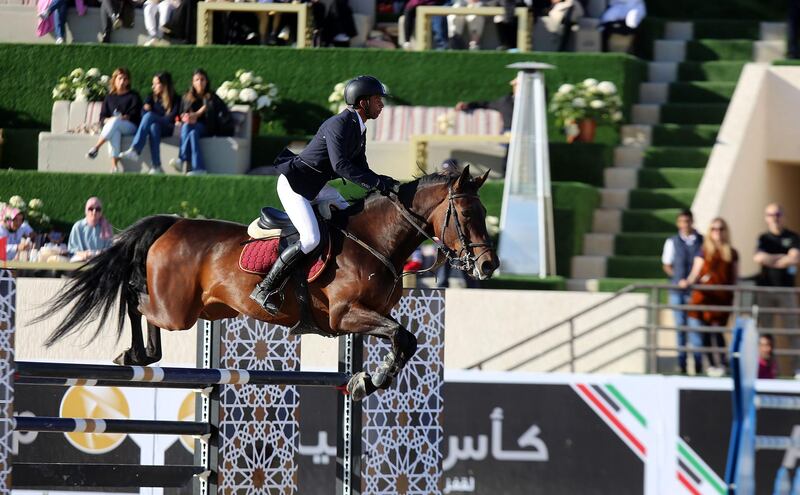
[464, 259]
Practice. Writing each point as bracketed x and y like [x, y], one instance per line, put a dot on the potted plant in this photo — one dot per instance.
[251, 90]
[580, 107]
[81, 85]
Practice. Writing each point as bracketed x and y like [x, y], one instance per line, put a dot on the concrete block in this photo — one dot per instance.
[773, 31]
[654, 92]
[769, 51]
[628, 156]
[646, 113]
[679, 31]
[614, 199]
[621, 178]
[637, 135]
[596, 244]
[588, 266]
[606, 222]
[662, 71]
[669, 51]
[583, 284]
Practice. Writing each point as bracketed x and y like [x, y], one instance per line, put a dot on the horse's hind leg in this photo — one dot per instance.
[135, 354]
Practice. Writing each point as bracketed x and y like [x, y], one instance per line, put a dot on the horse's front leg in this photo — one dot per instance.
[404, 345]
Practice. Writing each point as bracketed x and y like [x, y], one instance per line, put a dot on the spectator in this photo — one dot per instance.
[504, 105]
[54, 250]
[92, 234]
[156, 16]
[161, 108]
[53, 17]
[338, 27]
[677, 258]
[466, 26]
[202, 114]
[767, 368]
[621, 17]
[182, 24]
[778, 253]
[110, 17]
[119, 116]
[716, 264]
[410, 17]
[552, 30]
[15, 229]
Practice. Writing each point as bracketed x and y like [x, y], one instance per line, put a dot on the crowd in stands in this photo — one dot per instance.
[333, 22]
[199, 113]
[88, 237]
[691, 259]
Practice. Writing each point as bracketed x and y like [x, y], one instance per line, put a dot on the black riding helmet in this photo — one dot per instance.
[363, 87]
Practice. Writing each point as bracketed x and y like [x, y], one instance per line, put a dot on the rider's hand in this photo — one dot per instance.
[387, 185]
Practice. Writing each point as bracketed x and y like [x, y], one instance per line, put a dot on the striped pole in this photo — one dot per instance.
[187, 377]
[87, 425]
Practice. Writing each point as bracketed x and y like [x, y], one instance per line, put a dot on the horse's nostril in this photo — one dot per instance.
[487, 267]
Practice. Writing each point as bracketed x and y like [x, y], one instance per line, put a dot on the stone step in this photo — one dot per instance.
[583, 284]
[614, 199]
[607, 221]
[773, 31]
[769, 51]
[637, 135]
[588, 266]
[598, 244]
[679, 31]
[669, 51]
[628, 156]
[654, 92]
[621, 178]
[645, 113]
[662, 72]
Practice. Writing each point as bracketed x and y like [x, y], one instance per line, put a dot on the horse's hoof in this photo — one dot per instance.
[360, 386]
[124, 359]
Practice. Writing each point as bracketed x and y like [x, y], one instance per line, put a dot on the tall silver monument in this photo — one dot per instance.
[527, 246]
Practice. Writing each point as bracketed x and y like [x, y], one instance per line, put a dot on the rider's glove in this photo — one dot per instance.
[387, 185]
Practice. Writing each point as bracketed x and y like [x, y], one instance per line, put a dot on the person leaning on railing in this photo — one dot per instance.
[716, 264]
[778, 253]
[677, 258]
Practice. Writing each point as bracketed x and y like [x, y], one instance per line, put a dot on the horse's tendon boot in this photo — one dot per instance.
[386, 371]
[360, 386]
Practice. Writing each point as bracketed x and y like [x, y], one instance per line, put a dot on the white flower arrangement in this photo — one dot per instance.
[81, 85]
[446, 122]
[249, 89]
[589, 99]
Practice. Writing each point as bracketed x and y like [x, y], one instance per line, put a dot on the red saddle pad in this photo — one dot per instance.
[259, 256]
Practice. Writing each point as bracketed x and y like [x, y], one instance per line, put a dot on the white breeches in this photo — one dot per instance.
[156, 14]
[301, 212]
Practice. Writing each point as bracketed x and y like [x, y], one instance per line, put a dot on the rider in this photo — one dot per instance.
[337, 151]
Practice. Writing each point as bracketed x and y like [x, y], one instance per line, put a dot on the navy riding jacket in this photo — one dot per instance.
[338, 150]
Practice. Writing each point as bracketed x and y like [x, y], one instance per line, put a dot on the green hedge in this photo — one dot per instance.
[238, 198]
[305, 77]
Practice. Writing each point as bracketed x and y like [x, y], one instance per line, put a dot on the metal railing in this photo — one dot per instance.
[583, 345]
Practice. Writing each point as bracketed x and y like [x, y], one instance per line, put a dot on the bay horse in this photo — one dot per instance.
[173, 270]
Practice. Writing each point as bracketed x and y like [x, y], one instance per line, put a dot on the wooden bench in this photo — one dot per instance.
[425, 12]
[205, 22]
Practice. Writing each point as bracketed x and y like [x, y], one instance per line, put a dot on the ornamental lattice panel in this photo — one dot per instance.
[8, 295]
[259, 434]
[402, 426]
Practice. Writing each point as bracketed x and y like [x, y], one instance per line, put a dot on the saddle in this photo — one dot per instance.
[270, 233]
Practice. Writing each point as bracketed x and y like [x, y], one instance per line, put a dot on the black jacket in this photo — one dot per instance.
[337, 150]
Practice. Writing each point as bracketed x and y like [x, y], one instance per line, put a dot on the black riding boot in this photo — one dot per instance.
[265, 291]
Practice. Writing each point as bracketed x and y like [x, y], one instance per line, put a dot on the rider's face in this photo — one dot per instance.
[375, 107]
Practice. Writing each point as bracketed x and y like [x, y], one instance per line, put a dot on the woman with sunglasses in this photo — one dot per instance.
[92, 234]
[716, 264]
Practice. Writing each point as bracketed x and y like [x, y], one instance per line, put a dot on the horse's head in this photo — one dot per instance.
[460, 222]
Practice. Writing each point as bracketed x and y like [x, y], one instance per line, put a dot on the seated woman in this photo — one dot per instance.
[92, 234]
[465, 28]
[119, 116]
[161, 108]
[202, 114]
[14, 228]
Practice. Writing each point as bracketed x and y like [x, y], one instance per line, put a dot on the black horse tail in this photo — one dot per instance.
[118, 273]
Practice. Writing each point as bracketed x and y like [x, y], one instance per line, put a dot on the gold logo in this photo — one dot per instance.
[187, 413]
[95, 403]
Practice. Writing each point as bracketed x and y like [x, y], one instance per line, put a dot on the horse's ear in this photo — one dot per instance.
[464, 178]
[480, 180]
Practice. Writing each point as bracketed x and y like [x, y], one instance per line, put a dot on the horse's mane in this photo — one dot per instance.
[407, 189]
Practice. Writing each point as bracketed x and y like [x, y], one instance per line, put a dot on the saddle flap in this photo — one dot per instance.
[272, 218]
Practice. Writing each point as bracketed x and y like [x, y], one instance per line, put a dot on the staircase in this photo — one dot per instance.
[664, 151]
